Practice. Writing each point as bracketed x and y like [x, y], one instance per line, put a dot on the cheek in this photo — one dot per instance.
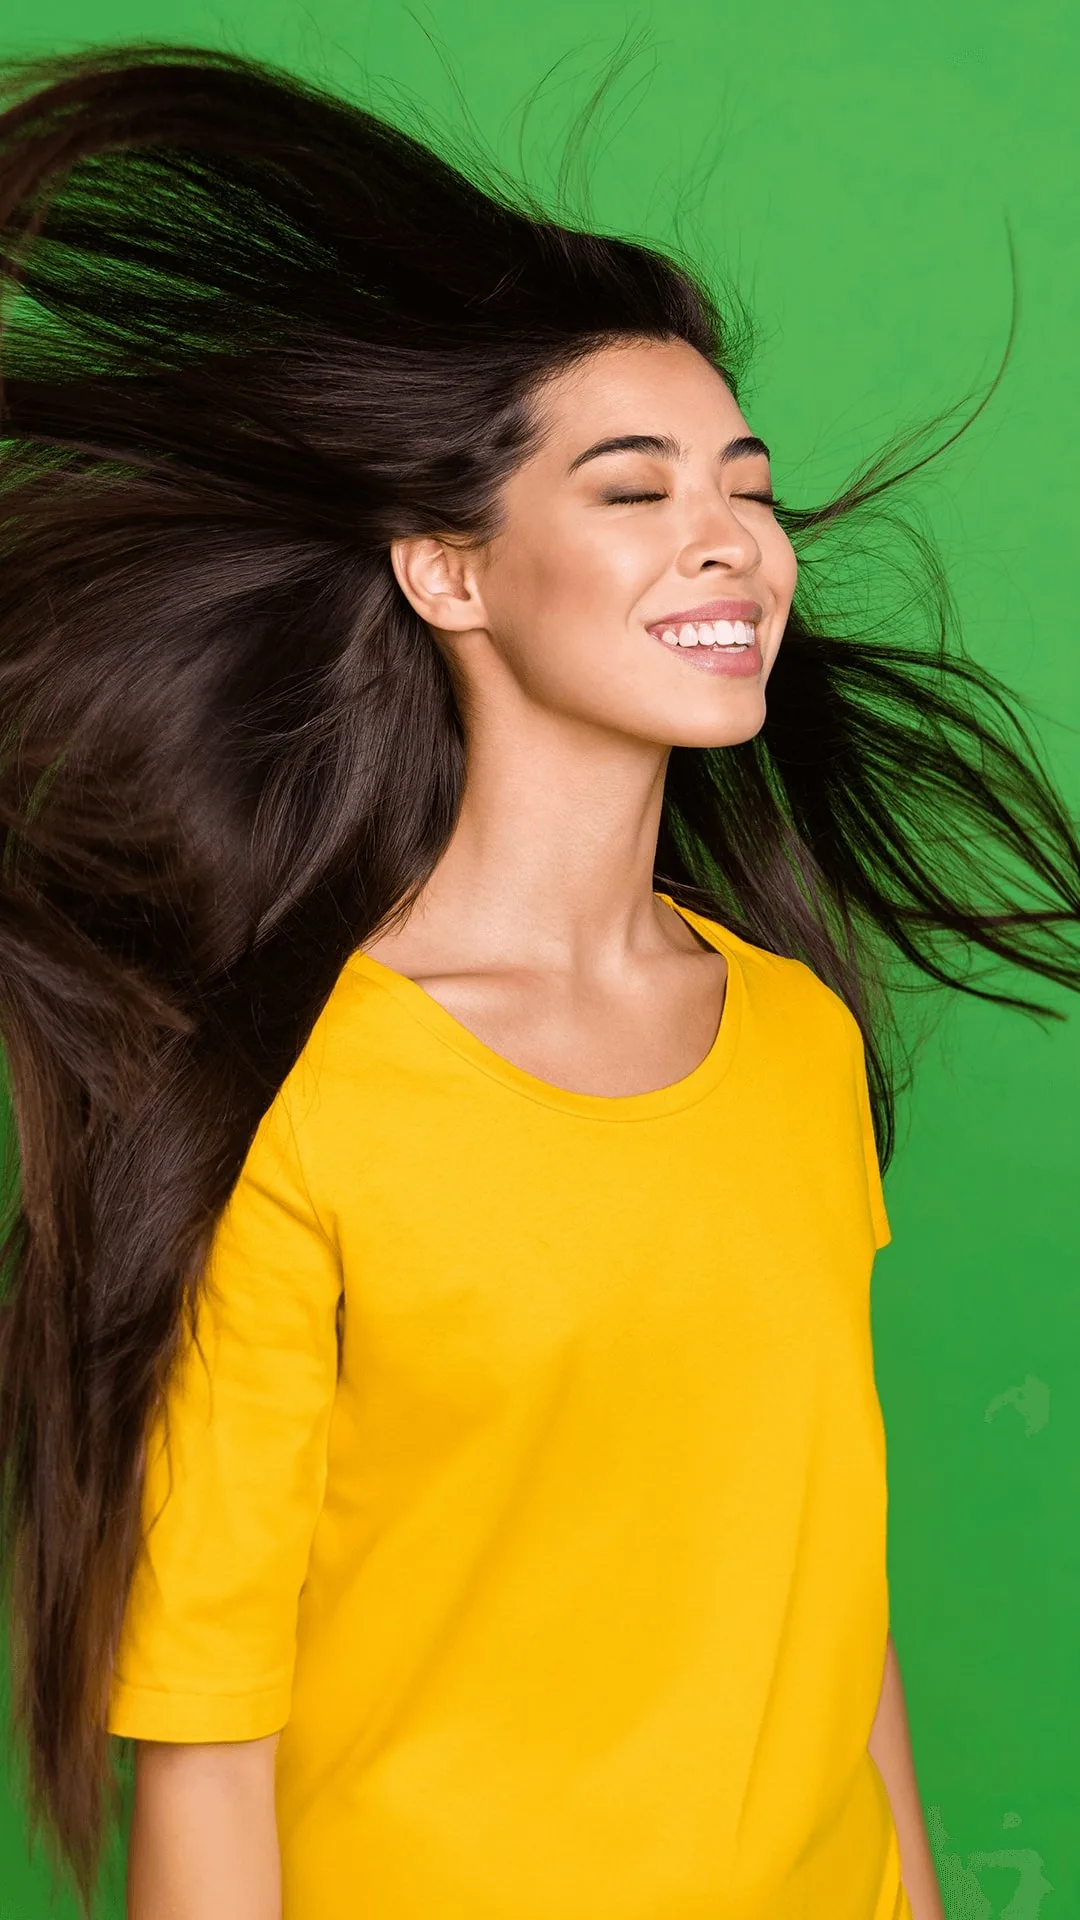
[535, 579]
[603, 558]
[561, 589]
[782, 566]
[586, 578]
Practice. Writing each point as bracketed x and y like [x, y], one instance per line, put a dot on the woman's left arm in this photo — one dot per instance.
[890, 1750]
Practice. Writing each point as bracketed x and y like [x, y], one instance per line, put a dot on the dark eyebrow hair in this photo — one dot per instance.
[662, 443]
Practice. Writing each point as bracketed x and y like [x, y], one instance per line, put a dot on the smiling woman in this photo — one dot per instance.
[709, 624]
[567, 597]
[446, 1040]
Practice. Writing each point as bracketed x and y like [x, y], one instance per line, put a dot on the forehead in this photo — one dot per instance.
[661, 387]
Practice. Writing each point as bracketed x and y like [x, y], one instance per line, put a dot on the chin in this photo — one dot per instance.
[745, 719]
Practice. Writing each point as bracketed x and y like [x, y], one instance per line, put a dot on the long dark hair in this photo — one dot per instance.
[251, 333]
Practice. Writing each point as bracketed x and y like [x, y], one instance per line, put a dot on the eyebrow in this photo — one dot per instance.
[663, 444]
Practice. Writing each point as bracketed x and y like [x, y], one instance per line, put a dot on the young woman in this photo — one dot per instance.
[447, 884]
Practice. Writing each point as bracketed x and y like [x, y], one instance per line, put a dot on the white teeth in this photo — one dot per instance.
[711, 633]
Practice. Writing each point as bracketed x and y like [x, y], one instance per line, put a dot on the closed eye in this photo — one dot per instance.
[635, 499]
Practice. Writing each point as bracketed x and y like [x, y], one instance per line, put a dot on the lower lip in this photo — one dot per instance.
[740, 661]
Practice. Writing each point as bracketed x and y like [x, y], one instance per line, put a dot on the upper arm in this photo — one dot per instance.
[235, 1470]
[203, 1838]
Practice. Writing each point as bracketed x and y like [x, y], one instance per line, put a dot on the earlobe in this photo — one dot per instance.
[434, 576]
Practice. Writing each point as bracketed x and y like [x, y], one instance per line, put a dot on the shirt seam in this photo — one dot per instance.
[321, 1229]
[184, 1693]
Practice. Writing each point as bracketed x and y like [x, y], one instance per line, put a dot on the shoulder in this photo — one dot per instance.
[808, 1043]
[343, 1034]
[344, 1075]
[344, 1040]
[778, 974]
[785, 992]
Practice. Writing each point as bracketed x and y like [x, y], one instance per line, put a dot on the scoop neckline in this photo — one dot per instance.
[652, 1104]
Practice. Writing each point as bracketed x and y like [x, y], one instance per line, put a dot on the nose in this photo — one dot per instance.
[719, 538]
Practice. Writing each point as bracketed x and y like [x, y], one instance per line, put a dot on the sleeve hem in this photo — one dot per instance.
[882, 1229]
[147, 1713]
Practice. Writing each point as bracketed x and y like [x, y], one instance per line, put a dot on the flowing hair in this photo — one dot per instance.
[251, 334]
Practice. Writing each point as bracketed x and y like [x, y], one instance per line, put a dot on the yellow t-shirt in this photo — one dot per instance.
[567, 1584]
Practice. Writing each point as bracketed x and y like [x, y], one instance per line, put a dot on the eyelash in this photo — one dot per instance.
[633, 499]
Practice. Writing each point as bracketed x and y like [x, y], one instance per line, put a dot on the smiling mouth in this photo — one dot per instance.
[726, 636]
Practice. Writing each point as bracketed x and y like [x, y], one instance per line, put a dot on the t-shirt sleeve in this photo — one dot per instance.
[235, 1469]
[875, 1193]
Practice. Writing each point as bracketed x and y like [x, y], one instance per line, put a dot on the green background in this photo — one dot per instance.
[859, 162]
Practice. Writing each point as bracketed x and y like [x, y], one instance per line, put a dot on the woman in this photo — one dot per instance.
[439, 1423]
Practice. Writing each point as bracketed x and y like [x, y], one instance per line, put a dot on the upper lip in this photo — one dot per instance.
[711, 610]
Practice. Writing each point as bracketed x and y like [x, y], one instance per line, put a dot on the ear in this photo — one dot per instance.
[438, 578]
